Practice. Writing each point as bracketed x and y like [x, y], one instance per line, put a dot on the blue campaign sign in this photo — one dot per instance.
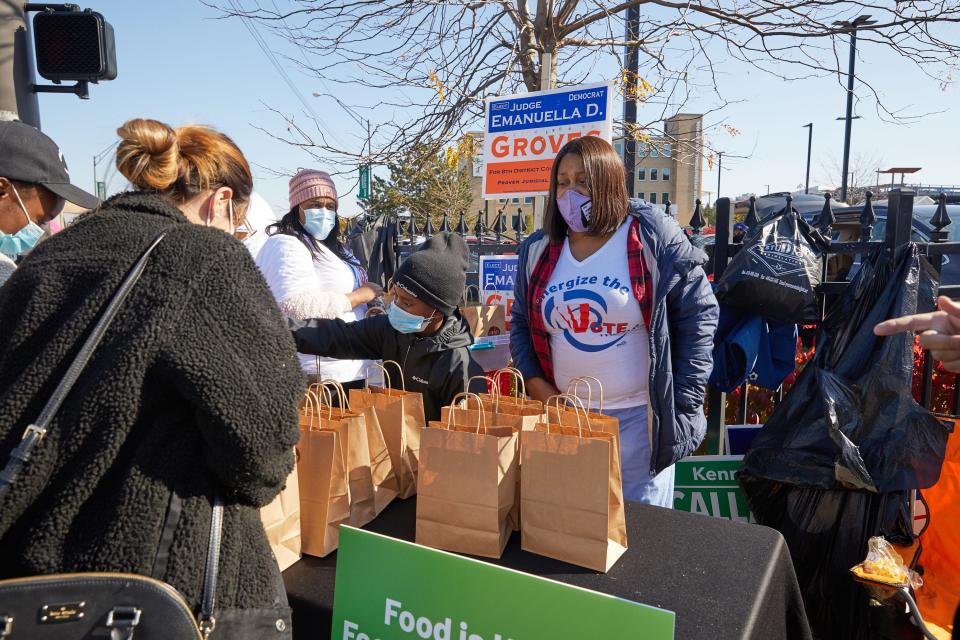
[549, 109]
[497, 273]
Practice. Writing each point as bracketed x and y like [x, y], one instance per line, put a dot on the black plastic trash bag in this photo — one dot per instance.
[776, 271]
[837, 461]
[850, 421]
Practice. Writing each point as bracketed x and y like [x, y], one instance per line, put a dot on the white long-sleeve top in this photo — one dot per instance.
[307, 285]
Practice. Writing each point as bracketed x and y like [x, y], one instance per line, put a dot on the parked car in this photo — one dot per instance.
[847, 229]
[805, 204]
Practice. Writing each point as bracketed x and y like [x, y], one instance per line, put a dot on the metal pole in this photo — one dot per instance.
[806, 189]
[849, 117]
[632, 67]
[94, 174]
[546, 82]
[719, 171]
[17, 101]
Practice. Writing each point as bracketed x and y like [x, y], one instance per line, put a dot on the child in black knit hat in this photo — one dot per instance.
[423, 329]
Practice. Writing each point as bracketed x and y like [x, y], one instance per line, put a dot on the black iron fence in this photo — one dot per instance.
[898, 232]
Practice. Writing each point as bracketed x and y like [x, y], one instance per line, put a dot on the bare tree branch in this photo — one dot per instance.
[426, 67]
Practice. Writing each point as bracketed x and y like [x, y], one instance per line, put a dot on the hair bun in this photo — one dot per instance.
[148, 155]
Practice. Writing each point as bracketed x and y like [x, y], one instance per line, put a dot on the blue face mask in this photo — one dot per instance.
[319, 222]
[16, 244]
[405, 322]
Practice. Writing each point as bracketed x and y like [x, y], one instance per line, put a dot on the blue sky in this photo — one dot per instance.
[180, 64]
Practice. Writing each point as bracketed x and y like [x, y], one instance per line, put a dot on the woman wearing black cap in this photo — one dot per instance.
[422, 330]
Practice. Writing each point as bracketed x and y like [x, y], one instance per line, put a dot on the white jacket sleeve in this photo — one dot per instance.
[288, 268]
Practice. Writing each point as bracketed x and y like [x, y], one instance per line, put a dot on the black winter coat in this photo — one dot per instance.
[438, 366]
[194, 390]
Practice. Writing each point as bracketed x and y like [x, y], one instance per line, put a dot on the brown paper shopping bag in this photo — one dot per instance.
[385, 484]
[515, 403]
[596, 420]
[352, 431]
[281, 522]
[324, 492]
[572, 495]
[467, 484]
[401, 418]
[484, 319]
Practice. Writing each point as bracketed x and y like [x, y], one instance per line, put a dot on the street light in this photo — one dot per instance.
[806, 189]
[852, 26]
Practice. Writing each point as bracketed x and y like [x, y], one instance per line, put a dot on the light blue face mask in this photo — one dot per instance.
[406, 322]
[16, 244]
[319, 222]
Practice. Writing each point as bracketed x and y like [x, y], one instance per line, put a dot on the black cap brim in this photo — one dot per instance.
[73, 194]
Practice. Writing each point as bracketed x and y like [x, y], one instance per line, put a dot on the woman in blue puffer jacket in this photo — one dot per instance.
[611, 288]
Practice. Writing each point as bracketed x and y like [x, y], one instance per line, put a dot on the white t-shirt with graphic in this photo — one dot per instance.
[595, 324]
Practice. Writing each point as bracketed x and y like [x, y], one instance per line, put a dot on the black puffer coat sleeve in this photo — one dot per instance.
[241, 376]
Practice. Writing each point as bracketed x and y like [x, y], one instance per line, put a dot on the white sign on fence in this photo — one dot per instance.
[524, 132]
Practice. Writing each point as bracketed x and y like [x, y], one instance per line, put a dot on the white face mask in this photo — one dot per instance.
[14, 245]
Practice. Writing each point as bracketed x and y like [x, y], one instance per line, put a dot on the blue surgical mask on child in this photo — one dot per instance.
[319, 222]
[16, 244]
[406, 322]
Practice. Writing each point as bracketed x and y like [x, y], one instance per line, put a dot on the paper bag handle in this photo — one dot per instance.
[495, 390]
[570, 399]
[521, 385]
[466, 292]
[481, 414]
[403, 383]
[341, 392]
[316, 401]
[575, 383]
[383, 370]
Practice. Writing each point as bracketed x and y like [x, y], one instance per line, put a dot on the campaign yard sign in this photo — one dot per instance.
[708, 485]
[497, 276]
[524, 132]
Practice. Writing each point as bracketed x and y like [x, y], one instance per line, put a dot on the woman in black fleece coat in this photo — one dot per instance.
[192, 393]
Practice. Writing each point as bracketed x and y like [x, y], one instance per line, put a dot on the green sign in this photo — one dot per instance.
[388, 589]
[101, 190]
[708, 485]
[364, 181]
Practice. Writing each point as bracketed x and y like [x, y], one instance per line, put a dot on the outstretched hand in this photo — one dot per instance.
[939, 331]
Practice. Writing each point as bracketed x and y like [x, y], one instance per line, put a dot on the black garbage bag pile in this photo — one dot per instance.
[776, 271]
[840, 457]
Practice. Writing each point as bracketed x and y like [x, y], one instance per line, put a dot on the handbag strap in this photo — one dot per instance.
[35, 433]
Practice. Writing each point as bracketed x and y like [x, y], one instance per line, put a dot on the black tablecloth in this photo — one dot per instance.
[724, 580]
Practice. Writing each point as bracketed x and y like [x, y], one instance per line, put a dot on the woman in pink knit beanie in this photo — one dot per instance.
[311, 272]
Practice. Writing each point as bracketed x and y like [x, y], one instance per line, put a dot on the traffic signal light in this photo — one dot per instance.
[74, 45]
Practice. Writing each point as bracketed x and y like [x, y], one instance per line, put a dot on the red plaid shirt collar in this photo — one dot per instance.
[540, 278]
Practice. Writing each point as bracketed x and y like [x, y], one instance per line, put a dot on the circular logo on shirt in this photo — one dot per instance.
[581, 315]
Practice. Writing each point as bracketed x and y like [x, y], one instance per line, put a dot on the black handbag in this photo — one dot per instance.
[114, 606]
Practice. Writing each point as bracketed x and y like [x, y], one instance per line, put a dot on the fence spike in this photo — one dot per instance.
[697, 222]
[462, 227]
[412, 227]
[478, 228]
[520, 226]
[500, 225]
[941, 219]
[826, 215]
[445, 223]
[867, 218]
[428, 229]
[752, 219]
